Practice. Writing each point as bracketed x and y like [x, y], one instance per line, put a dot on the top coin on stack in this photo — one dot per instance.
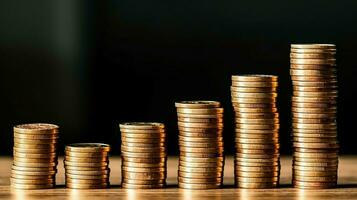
[201, 162]
[35, 157]
[314, 107]
[87, 165]
[257, 163]
[144, 156]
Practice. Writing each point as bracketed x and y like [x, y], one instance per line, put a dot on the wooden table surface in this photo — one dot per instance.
[347, 188]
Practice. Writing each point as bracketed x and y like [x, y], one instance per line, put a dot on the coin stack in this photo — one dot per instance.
[35, 158]
[257, 159]
[144, 156]
[87, 165]
[201, 161]
[314, 127]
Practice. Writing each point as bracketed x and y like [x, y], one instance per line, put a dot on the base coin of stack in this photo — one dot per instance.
[314, 108]
[144, 156]
[257, 159]
[87, 165]
[201, 161]
[35, 157]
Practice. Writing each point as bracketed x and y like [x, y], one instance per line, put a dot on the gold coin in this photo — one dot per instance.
[200, 111]
[272, 127]
[256, 156]
[315, 179]
[257, 160]
[327, 135]
[315, 169]
[141, 169]
[143, 160]
[193, 186]
[254, 105]
[265, 95]
[142, 125]
[184, 145]
[314, 89]
[87, 186]
[239, 100]
[197, 104]
[256, 164]
[44, 147]
[144, 182]
[34, 155]
[271, 135]
[314, 140]
[93, 164]
[256, 180]
[32, 173]
[219, 164]
[256, 121]
[256, 140]
[37, 164]
[36, 136]
[316, 155]
[311, 72]
[86, 160]
[36, 128]
[200, 120]
[144, 145]
[142, 131]
[32, 187]
[324, 47]
[88, 173]
[312, 115]
[314, 174]
[257, 115]
[254, 84]
[312, 105]
[88, 181]
[208, 150]
[321, 83]
[305, 150]
[315, 160]
[313, 50]
[143, 149]
[257, 146]
[255, 110]
[35, 160]
[137, 186]
[32, 182]
[201, 155]
[200, 130]
[330, 126]
[249, 185]
[201, 160]
[34, 169]
[324, 55]
[88, 147]
[252, 89]
[143, 175]
[199, 125]
[86, 154]
[144, 165]
[272, 168]
[314, 185]
[199, 135]
[257, 151]
[200, 169]
[200, 116]
[332, 145]
[306, 61]
[81, 168]
[143, 140]
[200, 180]
[332, 78]
[257, 174]
[196, 175]
[315, 94]
[255, 78]
[311, 67]
[201, 139]
[144, 154]
[319, 164]
[86, 177]
[143, 135]
[36, 141]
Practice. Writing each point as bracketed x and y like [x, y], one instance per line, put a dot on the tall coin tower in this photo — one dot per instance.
[257, 159]
[314, 108]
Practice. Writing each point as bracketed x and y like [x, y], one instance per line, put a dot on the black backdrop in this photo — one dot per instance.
[88, 65]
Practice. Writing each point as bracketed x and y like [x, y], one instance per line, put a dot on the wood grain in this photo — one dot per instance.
[347, 186]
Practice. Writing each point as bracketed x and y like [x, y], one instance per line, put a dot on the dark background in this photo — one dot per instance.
[88, 65]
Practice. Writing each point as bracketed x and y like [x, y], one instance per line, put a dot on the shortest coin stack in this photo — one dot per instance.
[257, 163]
[201, 162]
[35, 158]
[87, 165]
[143, 151]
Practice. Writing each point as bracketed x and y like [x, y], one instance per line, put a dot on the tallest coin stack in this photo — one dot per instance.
[314, 128]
